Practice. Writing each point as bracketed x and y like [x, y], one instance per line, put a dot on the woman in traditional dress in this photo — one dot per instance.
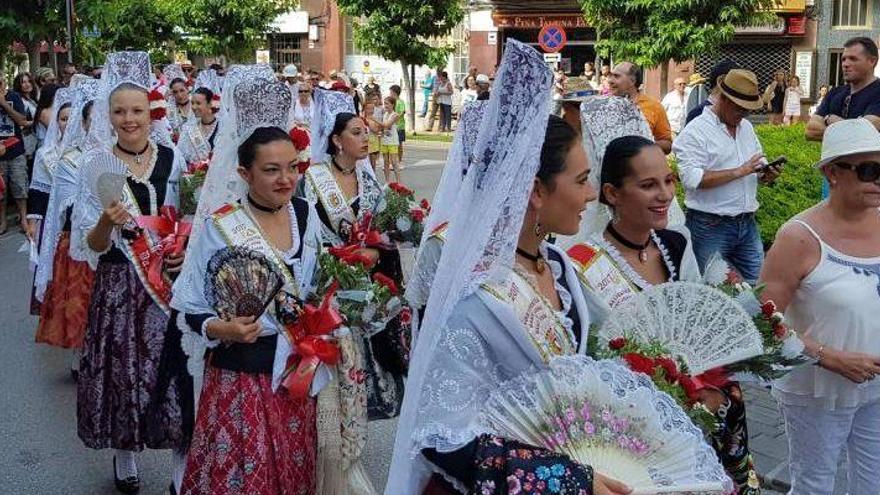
[504, 301]
[180, 109]
[344, 189]
[62, 285]
[41, 178]
[129, 310]
[637, 251]
[197, 138]
[251, 435]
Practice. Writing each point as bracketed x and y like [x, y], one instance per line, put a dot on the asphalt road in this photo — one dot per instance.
[39, 450]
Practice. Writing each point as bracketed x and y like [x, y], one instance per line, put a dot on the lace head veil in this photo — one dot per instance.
[208, 79]
[249, 104]
[121, 68]
[172, 72]
[482, 238]
[53, 141]
[84, 91]
[445, 199]
[327, 104]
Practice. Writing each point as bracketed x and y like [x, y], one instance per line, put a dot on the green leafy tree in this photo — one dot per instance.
[403, 30]
[651, 32]
[229, 27]
[125, 24]
[30, 23]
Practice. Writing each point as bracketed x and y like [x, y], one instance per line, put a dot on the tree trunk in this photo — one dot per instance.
[664, 79]
[33, 50]
[409, 85]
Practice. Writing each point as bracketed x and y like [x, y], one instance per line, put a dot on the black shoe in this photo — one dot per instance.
[132, 484]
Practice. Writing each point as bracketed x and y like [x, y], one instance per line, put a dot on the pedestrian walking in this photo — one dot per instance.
[443, 96]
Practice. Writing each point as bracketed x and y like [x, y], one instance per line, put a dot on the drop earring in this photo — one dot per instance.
[539, 231]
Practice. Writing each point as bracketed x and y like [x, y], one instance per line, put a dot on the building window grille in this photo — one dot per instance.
[764, 59]
[286, 49]
[849, 13]
[835, 73]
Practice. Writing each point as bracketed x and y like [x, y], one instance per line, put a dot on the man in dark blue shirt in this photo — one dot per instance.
[13, 164]
[859, 97]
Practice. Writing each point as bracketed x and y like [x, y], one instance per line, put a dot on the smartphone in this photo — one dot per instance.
[782, 160]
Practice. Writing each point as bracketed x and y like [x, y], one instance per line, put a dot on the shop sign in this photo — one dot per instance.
[565, 21]
[803, 68]
[796, 24]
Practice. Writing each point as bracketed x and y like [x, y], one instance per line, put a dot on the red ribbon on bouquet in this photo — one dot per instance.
[313, 343]
[173, 234]
[363, 235]
[714, 378]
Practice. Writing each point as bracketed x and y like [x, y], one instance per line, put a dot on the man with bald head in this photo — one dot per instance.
[626, 80]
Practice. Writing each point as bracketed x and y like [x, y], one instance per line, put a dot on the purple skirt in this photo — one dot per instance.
[119, 368]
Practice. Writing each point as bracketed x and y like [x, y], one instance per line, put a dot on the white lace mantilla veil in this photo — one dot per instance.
[172, 72]
[222, 184]
[445, 199]
[48, 154]
[327, 105]
[604, 119]
[480, 246]
[63, 192]
[209, 79]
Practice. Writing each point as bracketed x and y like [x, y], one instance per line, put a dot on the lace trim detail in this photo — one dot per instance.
[627, 269]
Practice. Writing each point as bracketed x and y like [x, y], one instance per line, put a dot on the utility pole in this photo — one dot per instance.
[69, 8]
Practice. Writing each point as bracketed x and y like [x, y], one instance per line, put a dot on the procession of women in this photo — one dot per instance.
[241, 288]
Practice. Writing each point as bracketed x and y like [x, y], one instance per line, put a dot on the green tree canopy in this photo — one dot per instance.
[651, 32]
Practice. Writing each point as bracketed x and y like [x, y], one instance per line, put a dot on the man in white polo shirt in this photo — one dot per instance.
[720, 164]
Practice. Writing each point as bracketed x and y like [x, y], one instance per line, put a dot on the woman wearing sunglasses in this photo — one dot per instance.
[823, 271]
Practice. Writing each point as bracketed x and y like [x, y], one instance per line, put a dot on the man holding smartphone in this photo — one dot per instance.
[721, 164]
[13, 164]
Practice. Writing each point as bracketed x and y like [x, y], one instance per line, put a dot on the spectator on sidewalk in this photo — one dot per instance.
[427, 91]
[859, 97]
[443, 96]
[720, 70]
[674, 104]
[470, 91]
[372, 87]
[68, 70]
[400, 110]
[626, 81]
[823, 92]
[774, 96]
[697, 93]
[483, 86]
[720, 188]
[13, 164]
[822, 273]
[792, 106]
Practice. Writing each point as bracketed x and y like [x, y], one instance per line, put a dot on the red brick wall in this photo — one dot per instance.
[482, 54]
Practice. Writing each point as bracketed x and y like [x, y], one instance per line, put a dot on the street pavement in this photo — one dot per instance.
[41, 453]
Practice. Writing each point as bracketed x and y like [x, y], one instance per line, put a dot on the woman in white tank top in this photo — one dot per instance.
[823, 271]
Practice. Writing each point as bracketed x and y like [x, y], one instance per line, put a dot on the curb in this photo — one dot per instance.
[428, 143]
[770, 480]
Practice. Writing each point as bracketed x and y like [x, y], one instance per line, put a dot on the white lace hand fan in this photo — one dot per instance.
[601, 414]
[696, 322]
[105, 175]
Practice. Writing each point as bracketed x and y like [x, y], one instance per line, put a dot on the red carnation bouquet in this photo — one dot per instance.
[403, 218]
[669, 374]
[191, 183]
[302, 141]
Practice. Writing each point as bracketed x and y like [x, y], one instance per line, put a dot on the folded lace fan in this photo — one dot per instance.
[698, 323]
[601, 414]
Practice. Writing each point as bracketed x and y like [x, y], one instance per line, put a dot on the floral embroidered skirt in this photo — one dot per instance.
[65, 310]
[731, 442]
[249, 440]
[118, 369]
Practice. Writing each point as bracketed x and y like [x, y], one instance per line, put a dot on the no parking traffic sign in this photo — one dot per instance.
[552, 38]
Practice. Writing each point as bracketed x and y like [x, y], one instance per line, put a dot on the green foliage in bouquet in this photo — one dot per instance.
[365, 302]
[190, 184]
[403, 220]
[668, 373]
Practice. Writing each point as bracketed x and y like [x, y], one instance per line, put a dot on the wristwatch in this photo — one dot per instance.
[825, 119]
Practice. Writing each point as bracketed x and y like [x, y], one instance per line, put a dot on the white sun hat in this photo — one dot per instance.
[290, 70]
[848, 137]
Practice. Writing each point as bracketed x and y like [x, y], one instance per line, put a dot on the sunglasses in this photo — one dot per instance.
[865, 171]
[304, 91]
[846, 102]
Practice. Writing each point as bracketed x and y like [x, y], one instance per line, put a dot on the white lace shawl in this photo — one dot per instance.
[482, 344]
[87, 208]
[480, 247]
[189, 288]
[48, 154]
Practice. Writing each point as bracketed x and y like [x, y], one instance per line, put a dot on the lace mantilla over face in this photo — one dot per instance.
[122, 67]
[261, 103]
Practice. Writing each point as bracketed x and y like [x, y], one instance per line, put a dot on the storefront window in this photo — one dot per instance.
[835, 74]
[350, 48]
[285, 48]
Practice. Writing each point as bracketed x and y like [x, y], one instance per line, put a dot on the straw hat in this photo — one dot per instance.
[695, 79]
[741, 87]
[848, 137]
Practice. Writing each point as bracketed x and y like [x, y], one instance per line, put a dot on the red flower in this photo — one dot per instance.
[300, 138]
[639, 363]
[357, 375]
[350, 255]
[157, 105]
[385, 281]
[617, 344]
[405, 316]
[690, 388]
[417, 215]
[733, 277]
[425, 204]
[768, 308]
[669, 367]
[303, 166]
[400, 188]
[780, 331]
